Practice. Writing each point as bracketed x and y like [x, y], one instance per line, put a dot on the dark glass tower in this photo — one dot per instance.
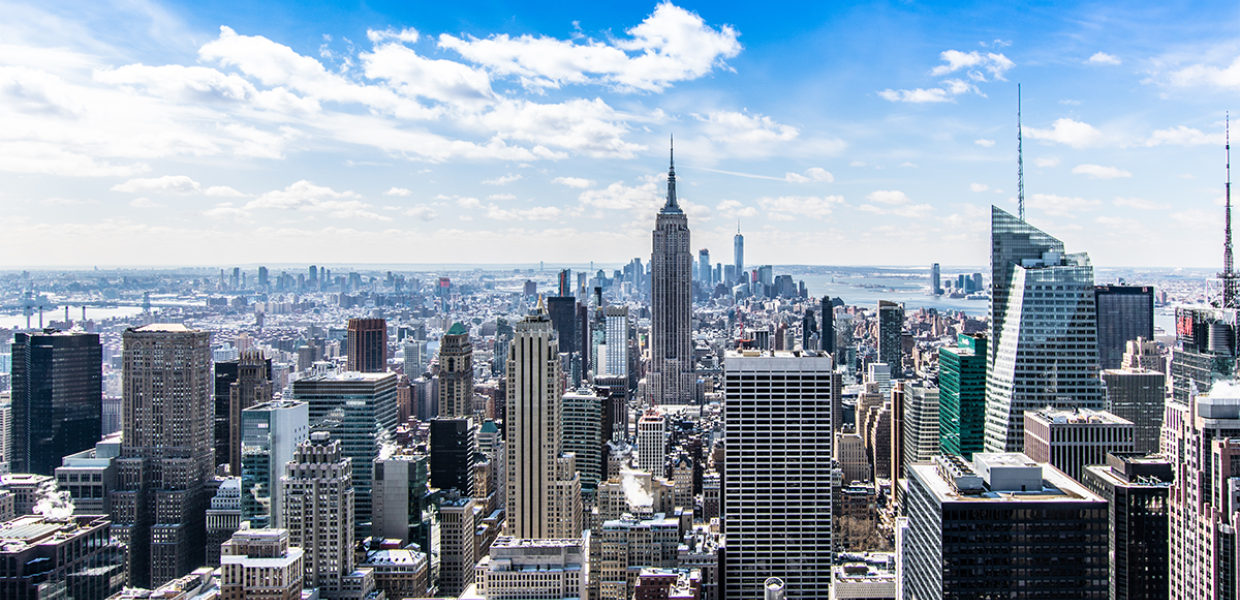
[671, 379]
[890, 329]
[57, 397]
[452, 454]
[1124, 313]
[1136, 489]
[962, 396]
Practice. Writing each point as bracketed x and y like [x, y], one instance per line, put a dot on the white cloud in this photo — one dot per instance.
[733, 209]
[305, 196]
[1102, 58]
[618, 196]
[1100, 172]
[815, 207]
[917, 96]
[978, 187]
[228, 212]
[501, 197]
[671, 45]
[504, 180]
[888, 197]
[726, 127]
[1062, 206]
[408, 34]
[1183, 136]
[984, 143]
[422, 213]
[468, 203]
[1046, 162]
[61, 202]
[223, 191]
[397, 191]
[995, 64]
[143, 203]
[168, 184]
[537, 213]
[1067, 131]
[819, 174]
[916, 211]
[576, 182]
[1208, 75]
[1138, 203]
[856, 163]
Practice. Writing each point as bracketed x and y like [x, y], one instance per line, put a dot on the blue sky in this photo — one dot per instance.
[136, 133]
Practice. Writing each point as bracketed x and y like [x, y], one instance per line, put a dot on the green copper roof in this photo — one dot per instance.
[457, 329]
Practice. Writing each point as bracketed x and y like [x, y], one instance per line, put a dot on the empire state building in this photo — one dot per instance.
[670, 379]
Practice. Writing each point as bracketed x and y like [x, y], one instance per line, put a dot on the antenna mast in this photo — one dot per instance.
[1020, 160]
[1231, 286]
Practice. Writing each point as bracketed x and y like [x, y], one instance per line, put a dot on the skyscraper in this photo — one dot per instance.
[452, 454]
[704, 268]
[738, 254]
[544, 491]
[57, 398]
[1135, 487]
[827, 326]
[253, 386]
[890, 330]
[1124, 313]
[777, 483]
[671, 379]
[1044, 327]
[318, 509]
[1138, 395]
[617, 363]
[270, 434]
[159, 506]
[651, 442]
[936, 282]
[962, 396]
[367, 345]
[456, 373]
[359, 409]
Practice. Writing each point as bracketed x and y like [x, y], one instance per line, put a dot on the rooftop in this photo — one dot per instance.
[162, 328]
[1078, 416]
[1055, 485]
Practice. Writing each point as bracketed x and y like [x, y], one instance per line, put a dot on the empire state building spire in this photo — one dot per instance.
[670, 378]
[671, 205]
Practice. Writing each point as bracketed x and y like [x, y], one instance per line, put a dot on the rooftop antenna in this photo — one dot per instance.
[1020, 160]
[1231, 285]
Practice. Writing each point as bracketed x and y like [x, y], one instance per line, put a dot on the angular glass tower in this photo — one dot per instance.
[1044, 330]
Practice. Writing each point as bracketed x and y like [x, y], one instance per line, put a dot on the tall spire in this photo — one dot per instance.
[1020, 160]
[1231, 283]
[671, 205]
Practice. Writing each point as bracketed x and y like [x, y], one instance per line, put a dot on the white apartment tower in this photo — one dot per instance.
[777, 492]
[318, 509]
[544, 491]
[651, 442]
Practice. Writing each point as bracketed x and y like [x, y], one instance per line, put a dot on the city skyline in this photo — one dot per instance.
[287, 132]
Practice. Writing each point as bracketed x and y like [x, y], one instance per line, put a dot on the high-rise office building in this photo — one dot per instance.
[226, 373]
[1135, 487]
[777, 466]
[359, 409]
[452, 454]
[1003, 526]
[318, 509]
[516, 569]
[544, 491]
[1125, 313]
[920, 436]
[456, 570]
[1199, 440]
[962, 396]
[57, 398]
[585, 432]
[1206, 349]
[1143, 353]
[890, 330]
[738, 255]
[1138, 395]
[936, 282]
[159, 505]
[71, 557]
[670, 379]
[270, 434]
[827, 326]
[651, 442]
[403, 504]
[260, 563]
[1073, 438]
[1044, 348]
[223, 517]
[367, 345]
[617, 332]
[456, 373]
[253, 386]
[704, 268]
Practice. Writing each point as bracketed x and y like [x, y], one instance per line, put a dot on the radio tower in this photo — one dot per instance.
[1020, 160]
[1231, 284]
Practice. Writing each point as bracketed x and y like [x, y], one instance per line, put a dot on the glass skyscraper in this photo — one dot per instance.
[1044, 327]
[962, 396]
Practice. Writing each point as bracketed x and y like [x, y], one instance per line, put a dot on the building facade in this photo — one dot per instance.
[1070, 439]
[1125, 313]
[670, 378]
[456, 373]
[1135, 487]
[57, 398]
[270, 434]
[962, 396]
[367, 341]
[318, 509]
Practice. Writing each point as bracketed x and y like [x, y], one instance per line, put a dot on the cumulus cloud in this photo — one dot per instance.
[1062, 206]
[1102, 58]
[397, 191]
[975, 66]
[576, 182]
[1183, 136]
[503, 180]
[1100, 172]
[1046, 162]
[1138, 203]
[1067, 131]
[733, 209]
[814, 207]
[619, 196]
[888, 197]
[422, 213]
[670, 45]
[501, 197]
[984, 143]
[168, 184]
[971, 62]
[227, 212]
[727, 127]
[898, 203]
[916, 96]
[1207, 75]
[143, 203]
[811, 174]
[978, 187]
[223, 191]
[306, 196]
